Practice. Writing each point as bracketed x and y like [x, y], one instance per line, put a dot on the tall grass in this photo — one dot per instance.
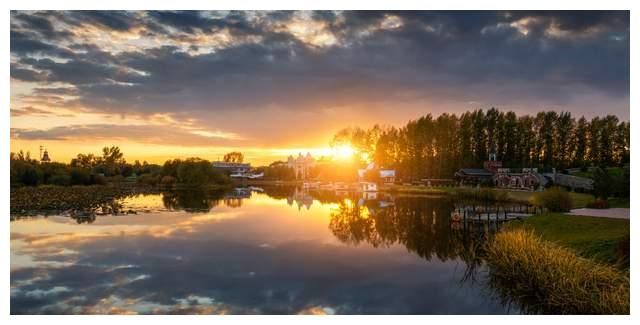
[543, 277]
[555, 199]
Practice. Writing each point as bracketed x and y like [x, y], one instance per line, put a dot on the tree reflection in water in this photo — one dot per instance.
[421, 224]
[203, 200]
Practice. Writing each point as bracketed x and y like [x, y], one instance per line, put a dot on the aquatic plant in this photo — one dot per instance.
[55, 199]
[542, 277]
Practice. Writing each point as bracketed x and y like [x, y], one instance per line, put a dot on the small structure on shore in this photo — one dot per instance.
[232, 167]
[301, 165]
[44, 157]
[367, 187]
[386, 176]
[494, 174]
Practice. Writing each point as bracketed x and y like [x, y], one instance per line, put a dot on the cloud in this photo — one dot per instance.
[30, 110]
[208, 65]
[152, 134]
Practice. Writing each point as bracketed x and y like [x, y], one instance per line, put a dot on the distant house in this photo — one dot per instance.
[301, 165]
[367, 187]
[232, 168]
[571, 181]
[494, 174]
[386, 176]
[45, 157]
[474, 176]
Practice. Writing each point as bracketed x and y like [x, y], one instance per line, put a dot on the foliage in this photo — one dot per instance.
[277, 172]
[590, 237]
[606, 184]
[234, 157]
[555, 199]
[85, 169]
[436, 147]
[598, 204]
[191, 172]
[33, 200]
[545, 278]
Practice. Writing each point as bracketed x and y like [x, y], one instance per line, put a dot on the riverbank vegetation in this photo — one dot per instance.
[112, 168]
[555, 199]
[605, 240]
[543, 277]
[30, 200]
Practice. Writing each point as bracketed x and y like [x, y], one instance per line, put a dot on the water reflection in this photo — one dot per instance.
[242, 252]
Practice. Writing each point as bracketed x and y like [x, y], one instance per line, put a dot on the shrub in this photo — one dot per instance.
[148, 179]
[555, 199]
[60, 179]
[80, 176]
[598, 204]
[545, 278]
[168, 180]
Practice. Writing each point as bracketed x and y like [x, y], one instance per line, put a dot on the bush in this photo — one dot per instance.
[60, 179]
[168, 180]
[598, 204]
[80, 176]
[148, 179]
[555, 199]
[545, 278]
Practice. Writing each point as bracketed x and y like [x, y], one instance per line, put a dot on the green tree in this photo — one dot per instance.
[234, 157]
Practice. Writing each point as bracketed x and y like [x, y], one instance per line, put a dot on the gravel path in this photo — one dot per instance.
[617, 213]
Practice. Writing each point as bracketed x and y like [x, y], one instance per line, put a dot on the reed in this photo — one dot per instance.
[542, 277]
[555, 199]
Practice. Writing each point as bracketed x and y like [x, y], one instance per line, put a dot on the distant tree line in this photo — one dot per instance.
[435, 147]
[111, 167]
[85, 169]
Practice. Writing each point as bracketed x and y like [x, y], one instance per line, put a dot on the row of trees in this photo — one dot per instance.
[111, 166]
[193, 172]
[435, 147]
[85, 169]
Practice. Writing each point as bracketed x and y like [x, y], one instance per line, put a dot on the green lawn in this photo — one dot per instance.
[613, 171]
[603, 239]
[615, 202]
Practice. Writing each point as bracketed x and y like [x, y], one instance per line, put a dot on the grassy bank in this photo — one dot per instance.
[580, 200]
[544, 277]
[603, 239]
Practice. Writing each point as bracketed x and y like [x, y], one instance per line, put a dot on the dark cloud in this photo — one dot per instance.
[142, 133]
[115, 20]
[378, 59]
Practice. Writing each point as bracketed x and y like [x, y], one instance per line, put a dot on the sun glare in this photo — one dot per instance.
[343, 151]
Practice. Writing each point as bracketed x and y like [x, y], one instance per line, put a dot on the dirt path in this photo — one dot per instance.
[617, 213]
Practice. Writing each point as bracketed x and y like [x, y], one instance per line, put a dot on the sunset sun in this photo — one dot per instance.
[343, 151]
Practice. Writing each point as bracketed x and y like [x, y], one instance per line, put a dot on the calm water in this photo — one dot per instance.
[282, 251]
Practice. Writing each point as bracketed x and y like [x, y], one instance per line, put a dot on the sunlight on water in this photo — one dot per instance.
[246, 252]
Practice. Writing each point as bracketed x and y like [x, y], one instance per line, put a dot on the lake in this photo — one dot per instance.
[271, 251]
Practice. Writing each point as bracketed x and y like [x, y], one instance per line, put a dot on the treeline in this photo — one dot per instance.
[111, 167]
[436, 147]
[85, 169]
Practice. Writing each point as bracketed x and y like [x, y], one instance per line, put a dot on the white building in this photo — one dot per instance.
[302, 165]
[387, 176]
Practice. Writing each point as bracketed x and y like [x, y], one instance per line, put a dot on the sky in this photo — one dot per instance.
[163, 84]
